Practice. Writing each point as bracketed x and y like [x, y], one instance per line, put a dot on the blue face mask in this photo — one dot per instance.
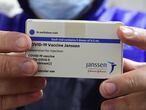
[59, 9]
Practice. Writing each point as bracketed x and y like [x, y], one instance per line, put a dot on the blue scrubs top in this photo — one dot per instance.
[72, 93]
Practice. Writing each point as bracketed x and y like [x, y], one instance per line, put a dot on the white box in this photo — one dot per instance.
[75, 49]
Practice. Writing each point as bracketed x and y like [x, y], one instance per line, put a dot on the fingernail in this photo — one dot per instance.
[109, 89]
[45, 84]
[21, 42]
[128, 32]
[29, 67]
[107, 107]
[38, 94]
[42, 84]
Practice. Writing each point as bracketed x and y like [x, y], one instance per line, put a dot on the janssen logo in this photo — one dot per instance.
[108, 67]
[113, 65]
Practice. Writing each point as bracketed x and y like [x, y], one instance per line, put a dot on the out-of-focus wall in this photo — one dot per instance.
[139, 5]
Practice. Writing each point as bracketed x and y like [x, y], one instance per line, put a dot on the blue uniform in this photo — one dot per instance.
[78, 94]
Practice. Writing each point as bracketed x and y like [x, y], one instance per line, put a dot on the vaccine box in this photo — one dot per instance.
[75, 49]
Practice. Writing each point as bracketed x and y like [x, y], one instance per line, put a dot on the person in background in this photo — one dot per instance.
[19, 88]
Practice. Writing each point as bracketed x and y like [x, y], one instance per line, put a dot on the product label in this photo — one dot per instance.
[61, 50]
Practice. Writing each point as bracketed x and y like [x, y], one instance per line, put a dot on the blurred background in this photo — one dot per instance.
[12, 7]
[138, 5]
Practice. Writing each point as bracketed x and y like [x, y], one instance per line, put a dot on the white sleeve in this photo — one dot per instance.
[10, 7]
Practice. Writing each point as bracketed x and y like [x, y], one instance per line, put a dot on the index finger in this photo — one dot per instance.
[14, 42]
[133, 36]
[17, 66]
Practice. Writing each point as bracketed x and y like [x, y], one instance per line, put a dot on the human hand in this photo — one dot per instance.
[17, 86]
[127, 91]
